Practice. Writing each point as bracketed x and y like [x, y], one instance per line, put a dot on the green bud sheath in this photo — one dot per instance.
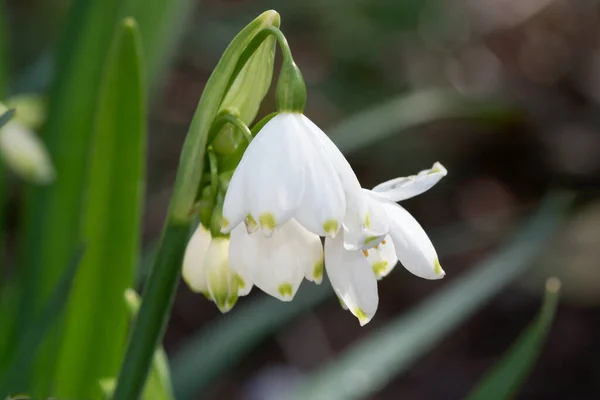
[291, 91]
[217, 88]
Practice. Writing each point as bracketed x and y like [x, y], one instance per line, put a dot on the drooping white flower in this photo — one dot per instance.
[292, 170]
[24, 152]
[206, 270]
[277, 264]
[353, 274]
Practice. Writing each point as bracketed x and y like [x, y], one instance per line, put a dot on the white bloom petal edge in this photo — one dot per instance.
[383, 258]
[193, 260]
[413, 247]
[276, 264]
[352, 279]
[403, 188]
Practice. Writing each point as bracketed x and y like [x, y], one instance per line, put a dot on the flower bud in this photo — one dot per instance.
[206, 270]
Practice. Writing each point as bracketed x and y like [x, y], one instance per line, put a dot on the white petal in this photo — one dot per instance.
[240, 251]
[352, 279]
[193, 272]
[357, 216]
[24, 152]
[323, 207]
[359, 235]
[413, 247]
[383, 258]
[235, 204]
[274, 176]
[311, 256]
[222, 286]
[406, 187]
[275, 264]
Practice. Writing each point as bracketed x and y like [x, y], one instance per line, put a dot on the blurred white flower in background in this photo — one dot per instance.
[24, 153]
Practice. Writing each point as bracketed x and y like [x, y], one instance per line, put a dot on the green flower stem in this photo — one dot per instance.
[228, 117]
[164, 276]
[291, 91]
[152, 318]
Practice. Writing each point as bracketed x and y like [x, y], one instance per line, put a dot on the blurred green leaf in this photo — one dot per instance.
[3, 53]
[20, 362]
[97, 320]
[72, 103]
[369, 365]
[410, 110]
[161, 23]
[505, 379]
[225, 341]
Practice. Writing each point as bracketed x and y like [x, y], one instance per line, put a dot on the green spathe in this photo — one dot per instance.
[222, 79]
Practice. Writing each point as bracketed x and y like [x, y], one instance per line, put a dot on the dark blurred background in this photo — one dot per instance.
[536, 63]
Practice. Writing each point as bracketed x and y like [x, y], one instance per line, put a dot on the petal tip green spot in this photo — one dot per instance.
[360, 314]
[318, 271]
[438, 169]
[370, 239]
[240, 281]
[437, 268]
[267, 221]
[379, 268]
[224, 223]
[285, 290]
[331, 226]
[368, 221]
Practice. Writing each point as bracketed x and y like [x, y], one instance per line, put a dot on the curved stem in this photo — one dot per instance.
[228, 116]
[286, 52]
[214, 172]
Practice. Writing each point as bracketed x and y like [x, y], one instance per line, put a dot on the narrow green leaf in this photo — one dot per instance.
[3, 53]
[407, 111]
[158, 385]
[505, 379]
[31, 337]
[161, 23]
[52, 214]
[142, 344]
[97, 320]
[233, 335]
[389, 351]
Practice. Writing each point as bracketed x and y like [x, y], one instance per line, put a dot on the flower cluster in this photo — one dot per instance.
[291, 187]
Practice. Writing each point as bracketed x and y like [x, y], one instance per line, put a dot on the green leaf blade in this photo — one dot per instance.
[3, 53]
[505, 379]
[53, 214]
[96, 327]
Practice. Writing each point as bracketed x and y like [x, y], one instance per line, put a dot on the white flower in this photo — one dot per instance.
[277, 264]
[354, 274]
[24, 152]
[292, 170]
[206, 270]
